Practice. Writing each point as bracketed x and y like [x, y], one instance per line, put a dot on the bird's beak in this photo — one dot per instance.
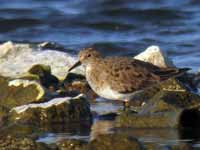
[78, 63]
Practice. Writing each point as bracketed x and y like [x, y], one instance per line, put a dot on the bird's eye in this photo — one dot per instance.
[89, 55]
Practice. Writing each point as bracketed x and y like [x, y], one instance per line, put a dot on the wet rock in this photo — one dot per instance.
[55, 111]
[153, 54]
[45, 77]
[20, 131]
[170, 85]
[75, 84]
[15, 92]
[114, 141]
[11, 143]
[170, 105]
[71, 144]
[157, 120]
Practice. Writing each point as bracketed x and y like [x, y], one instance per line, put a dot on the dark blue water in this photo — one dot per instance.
[121, 27]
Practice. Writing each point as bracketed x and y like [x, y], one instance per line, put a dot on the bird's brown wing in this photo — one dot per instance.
[127, 75]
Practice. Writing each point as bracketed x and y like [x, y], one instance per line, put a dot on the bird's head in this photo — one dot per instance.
[86, 56]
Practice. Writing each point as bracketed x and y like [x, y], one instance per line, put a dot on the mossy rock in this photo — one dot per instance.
[170, 85]
[20, 130]
[171, 106]
[165, 101]
[11, 143]
[44, 74]
[167, 109]
[19, 92]
[72, 110]
[157, 120]
[114, 141]
[71, 144]
[75, 84]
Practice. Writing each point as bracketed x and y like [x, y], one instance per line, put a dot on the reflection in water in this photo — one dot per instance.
[101, 127]
[59, 132]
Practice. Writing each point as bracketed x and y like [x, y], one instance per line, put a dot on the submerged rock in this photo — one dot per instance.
[58, 110]
[153, 54]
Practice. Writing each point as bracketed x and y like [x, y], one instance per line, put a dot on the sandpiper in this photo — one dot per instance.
[121, 78]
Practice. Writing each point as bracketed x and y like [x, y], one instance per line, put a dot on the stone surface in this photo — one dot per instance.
[153, 54]
[15, 143]
[157, 120]
[45, 77]
[169, 105]
[17, 59]
[114, 142]
[71, 144]
[76, 84]
[15, 92]
[55, 111]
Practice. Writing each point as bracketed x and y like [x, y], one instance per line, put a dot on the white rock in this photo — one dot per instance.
[17, 59]
[25, 83]
[55, 101]
[153, 54]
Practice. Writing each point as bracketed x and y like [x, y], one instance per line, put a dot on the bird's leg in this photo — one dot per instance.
[126, 104]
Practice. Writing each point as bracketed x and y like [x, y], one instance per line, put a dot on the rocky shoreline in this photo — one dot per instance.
[37, 97]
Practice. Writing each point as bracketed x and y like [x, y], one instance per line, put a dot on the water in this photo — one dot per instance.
[121, 27]
[115, 27]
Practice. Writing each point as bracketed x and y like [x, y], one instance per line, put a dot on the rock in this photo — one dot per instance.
[157, 120]
[71, 144]
[51, 45]
[6, 48]
[114, 141]
[75, 84]
[153, 54]
[15, 92]
[45, 77]
[17, 59]
[173, 101]
[55, 111]
[172, 84]
[11, 143]
[170, 105]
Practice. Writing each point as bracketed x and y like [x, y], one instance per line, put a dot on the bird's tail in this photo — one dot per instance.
[166, 73]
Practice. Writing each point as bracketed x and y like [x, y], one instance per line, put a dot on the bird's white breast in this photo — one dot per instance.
[105, 91]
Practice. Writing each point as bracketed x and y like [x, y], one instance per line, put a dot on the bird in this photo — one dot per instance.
[121, 78]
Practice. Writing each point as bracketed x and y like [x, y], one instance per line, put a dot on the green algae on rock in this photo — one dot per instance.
[18, 92]
[11, 143]
[71, 144]
[170, 85]
[58, 110]
[44, 75]
[157, 120]
[76, 84]
[169, 105]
